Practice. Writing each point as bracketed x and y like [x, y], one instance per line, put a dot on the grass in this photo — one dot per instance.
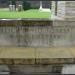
[32, 13]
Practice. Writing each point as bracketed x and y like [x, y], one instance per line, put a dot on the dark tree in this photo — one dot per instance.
[12, 2]
[26, 5]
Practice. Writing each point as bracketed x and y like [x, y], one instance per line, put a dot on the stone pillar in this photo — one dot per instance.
[20, 7]
[40, 5]
[12, 8]
[61, 9]
[53, 7]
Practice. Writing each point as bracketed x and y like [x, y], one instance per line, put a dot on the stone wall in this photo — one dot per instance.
[70, 10]
[26, 33]
[39, 33]
[36, 69]
[66, 31]
[66, 10]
